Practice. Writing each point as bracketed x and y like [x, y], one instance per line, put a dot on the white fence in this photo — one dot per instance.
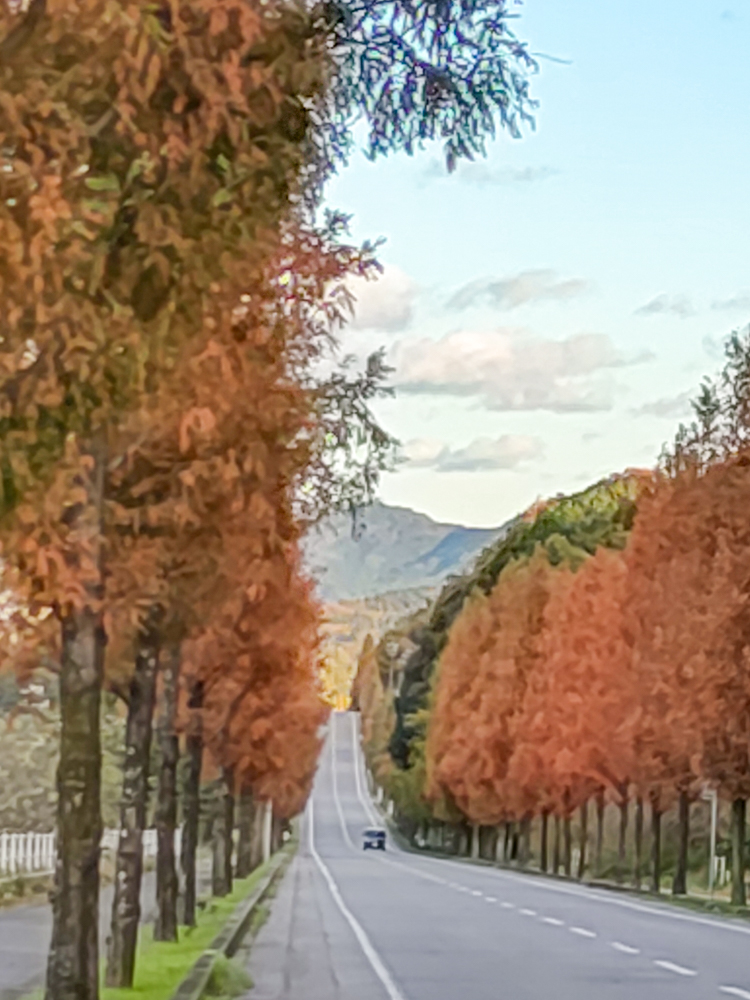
[34, 853]
[26, 853]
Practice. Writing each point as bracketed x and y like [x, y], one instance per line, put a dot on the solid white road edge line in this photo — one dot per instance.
[671, 967]
[365, 944]
[335, 784]
[658, 911]
[581, 893]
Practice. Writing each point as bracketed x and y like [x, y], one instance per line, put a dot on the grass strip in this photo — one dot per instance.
[162, 965]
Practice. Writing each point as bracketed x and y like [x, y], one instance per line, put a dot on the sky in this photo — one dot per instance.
[550, 310]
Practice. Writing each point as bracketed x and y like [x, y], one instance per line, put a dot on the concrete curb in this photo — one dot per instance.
[232, 933]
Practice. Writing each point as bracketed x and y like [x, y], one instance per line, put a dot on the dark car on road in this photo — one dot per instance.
[373, 837]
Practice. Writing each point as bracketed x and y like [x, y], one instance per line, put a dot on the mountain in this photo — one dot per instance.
[394, 549]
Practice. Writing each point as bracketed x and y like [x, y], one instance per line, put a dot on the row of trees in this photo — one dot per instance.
[168, 303]
[614, 675]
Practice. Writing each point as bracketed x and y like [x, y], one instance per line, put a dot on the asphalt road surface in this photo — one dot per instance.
[355, 925]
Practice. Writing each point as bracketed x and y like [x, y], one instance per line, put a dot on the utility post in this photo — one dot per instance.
[710, 795]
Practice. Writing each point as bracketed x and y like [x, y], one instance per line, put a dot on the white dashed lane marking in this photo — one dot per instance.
[477, 892]
[528, 913]
[735, 991]
[671, 967]
[508, 906]
[583, 932]
[553, 921]
[626, 949]
[491, 899]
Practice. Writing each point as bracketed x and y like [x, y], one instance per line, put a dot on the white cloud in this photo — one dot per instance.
[737, 303]
[481, 174]
[677, 305]
[670, 407]
[509, 369]
[505, 452]
[522, 289]
[385, 303]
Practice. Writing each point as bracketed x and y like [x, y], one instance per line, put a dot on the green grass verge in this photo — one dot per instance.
[161, 966]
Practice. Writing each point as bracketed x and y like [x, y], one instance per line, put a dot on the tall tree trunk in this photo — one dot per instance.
[506, 842]
[543, 859]
[165, 928]
[192, 804]
[256, 837]
[245, 822]
[655, 843]
[583, 839]
[221, 873]
[474, 841]
[638, 842]
[739, 812]
[679, 883]
[556, 847]
[278, 829]
[514, 844]
[525, 841]
[126, 907]
[73, 963]
[622, 838]
[598, 861]
[229, 810]
[567, 845]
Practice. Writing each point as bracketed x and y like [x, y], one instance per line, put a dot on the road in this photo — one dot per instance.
[354, 925]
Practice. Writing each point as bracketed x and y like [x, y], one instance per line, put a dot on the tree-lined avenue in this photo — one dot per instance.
[440, 929]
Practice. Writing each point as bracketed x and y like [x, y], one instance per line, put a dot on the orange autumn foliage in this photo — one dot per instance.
[687, 612]
[492, 650]
[581, 709]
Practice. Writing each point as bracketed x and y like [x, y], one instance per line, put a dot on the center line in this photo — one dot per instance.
[626, 949]
[671, 967]
[476, 892]
[528, 913]
[491, 899]
[583, 932]
[554, 921]
[735, 991]
[508, 906]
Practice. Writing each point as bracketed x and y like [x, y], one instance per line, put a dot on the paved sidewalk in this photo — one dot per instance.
[306, 950]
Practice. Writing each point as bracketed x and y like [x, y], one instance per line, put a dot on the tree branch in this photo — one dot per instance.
[22, 32]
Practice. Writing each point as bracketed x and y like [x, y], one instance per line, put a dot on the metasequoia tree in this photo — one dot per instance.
[259, 675]
[492, 650]
[580, 711]
[716, 443]
[688, 614]
[127, 169]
